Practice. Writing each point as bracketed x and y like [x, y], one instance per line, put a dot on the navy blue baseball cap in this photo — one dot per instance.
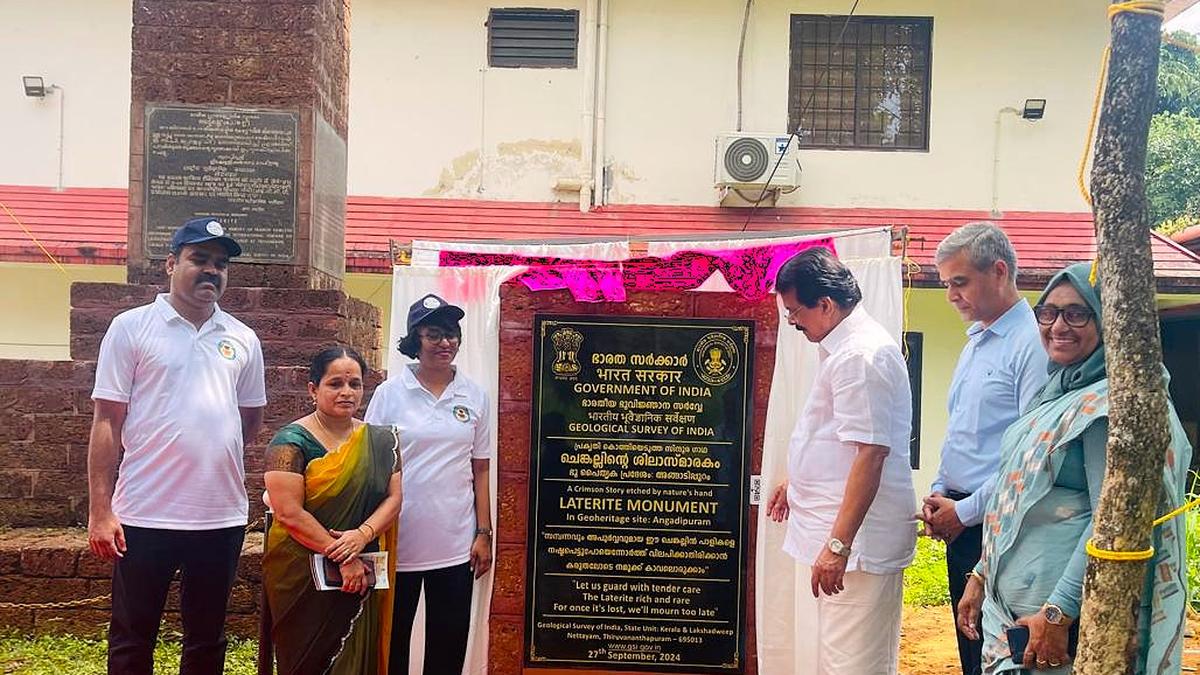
[200, 230]
[428, 306]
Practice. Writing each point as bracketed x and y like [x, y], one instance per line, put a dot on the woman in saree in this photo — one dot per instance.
[334, 488]
[1040, 518]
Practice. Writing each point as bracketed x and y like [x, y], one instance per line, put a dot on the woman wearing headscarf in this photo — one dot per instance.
[1040, 517]
[334, 486]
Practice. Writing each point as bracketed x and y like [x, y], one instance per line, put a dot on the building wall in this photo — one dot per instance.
[510, 134]
[428, 118]
[82, 46]
[37, 304]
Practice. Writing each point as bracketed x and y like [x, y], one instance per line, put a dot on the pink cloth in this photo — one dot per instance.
[749, 271]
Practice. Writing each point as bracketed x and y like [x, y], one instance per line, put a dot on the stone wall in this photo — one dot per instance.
[41, 567]
[518, 305]
[291, 323]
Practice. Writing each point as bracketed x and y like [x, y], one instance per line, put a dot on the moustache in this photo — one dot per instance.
[208, 278]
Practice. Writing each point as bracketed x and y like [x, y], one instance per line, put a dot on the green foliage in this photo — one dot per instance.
[1193, 558]
[1179, 74]
[1170, 226]
[1173, 152]
[1173, 167]
[52, 655]
[925, 580]
[1192, 544]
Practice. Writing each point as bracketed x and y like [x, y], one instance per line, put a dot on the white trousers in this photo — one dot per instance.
[856, 632]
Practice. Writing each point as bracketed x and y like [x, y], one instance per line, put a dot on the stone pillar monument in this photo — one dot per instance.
[239, 111]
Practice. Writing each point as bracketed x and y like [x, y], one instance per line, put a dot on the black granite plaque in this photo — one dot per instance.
[237, 165]
[637, 510]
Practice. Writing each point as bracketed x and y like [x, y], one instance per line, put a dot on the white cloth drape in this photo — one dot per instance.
[476, 290]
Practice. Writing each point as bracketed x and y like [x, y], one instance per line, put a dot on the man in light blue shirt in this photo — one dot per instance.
[998, 372]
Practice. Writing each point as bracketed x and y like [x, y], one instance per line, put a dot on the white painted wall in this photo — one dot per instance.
[37, 307]
[429, 119]
[82, 46]
[420, 94]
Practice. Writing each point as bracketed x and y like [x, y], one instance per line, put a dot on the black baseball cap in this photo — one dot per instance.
[200, 230]
[428, 306]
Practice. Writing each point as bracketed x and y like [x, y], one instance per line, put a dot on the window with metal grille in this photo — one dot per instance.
[870, 91]
[533, 38]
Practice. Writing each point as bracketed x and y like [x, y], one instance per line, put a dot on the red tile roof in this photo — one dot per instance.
[89, 225]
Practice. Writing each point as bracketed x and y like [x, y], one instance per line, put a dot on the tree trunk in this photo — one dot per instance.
[1138, 432]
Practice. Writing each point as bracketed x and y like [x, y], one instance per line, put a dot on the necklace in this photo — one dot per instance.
[330, 434]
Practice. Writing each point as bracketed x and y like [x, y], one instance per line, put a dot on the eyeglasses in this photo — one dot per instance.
[1076, 316]
[436, 336]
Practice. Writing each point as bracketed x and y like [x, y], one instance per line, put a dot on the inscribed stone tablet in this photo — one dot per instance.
[236, 165]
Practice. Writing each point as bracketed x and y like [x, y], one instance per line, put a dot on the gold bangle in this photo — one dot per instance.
[368, 536]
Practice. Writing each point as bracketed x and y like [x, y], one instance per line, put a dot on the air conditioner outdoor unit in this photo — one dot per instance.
[745, 160]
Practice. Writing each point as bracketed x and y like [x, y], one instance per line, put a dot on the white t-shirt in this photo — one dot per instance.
[182, 467]
[860, 395]
[438, 439]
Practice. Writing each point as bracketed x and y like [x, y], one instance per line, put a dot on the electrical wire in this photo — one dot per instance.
[741, 54]
[803, 109]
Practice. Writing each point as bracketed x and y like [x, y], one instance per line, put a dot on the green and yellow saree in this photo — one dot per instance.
[316, 632]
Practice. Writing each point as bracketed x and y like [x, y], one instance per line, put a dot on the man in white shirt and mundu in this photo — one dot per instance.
[848, 501]
[180, 388]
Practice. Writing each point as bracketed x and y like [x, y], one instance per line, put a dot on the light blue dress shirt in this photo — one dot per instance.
[998, 372]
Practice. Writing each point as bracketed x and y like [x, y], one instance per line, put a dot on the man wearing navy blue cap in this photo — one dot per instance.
[180, 389]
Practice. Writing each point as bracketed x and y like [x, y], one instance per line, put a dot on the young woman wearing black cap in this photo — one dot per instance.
[445, 531]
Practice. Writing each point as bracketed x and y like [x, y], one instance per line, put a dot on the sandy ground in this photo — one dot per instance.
[927, 645]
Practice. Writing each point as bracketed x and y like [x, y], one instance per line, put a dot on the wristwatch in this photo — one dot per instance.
[838, 547]
[1053, 614]
[483, 530]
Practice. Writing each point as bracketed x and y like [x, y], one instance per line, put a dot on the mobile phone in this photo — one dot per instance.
[1018, 638]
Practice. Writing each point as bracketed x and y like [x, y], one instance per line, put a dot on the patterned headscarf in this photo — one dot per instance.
[1081, 373]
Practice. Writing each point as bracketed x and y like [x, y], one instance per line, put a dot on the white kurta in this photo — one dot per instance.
[861, 395]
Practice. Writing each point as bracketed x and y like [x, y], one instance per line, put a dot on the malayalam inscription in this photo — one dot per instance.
[638, 498]
[237, 165]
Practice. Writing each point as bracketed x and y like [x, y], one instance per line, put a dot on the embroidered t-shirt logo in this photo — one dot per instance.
[226, 349]
[462, 414]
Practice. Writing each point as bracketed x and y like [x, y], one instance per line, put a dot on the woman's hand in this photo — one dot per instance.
[1047, 646]
[481, 555]
[970, 607]
[346, 545]
[354, 577]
